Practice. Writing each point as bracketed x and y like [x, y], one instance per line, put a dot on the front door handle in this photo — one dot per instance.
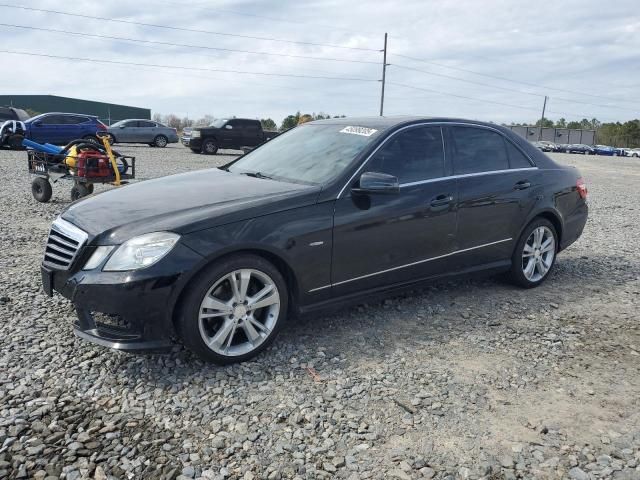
[441, 200]
[522, 185]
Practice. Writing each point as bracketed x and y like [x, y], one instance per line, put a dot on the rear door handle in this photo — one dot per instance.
[522, 185]
[440, 200]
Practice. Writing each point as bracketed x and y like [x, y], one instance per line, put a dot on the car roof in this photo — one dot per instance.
[384, 123]
[65, 113]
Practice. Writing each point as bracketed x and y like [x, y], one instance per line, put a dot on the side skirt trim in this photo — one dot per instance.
[381, 292]
[409, 265]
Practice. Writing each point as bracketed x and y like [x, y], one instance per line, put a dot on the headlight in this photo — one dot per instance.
[195, 134]
[142, 251]
[97, 258]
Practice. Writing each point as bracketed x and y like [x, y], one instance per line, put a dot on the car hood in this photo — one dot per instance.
[183, 203]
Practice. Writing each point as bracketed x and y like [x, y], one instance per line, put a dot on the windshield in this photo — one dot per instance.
[218, 123]
[313, 153]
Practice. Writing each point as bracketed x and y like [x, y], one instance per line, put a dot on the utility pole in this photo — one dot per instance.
[544, 107]
[384, 73]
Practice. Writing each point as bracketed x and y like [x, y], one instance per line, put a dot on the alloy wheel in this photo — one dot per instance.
[239, 312]
[538, 254]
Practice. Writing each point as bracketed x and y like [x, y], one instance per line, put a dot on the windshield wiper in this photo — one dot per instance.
[257, 175]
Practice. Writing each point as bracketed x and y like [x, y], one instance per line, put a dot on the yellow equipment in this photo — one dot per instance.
[112, 158]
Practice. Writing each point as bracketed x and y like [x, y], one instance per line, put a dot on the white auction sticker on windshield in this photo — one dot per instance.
[364, 131]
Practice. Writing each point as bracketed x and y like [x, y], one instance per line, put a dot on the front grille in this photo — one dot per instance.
[110, 320]
[64, 242]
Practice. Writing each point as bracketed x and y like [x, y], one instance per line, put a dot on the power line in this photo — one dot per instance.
[482, 99]
[175, 67]
[466, 81]
[199, 6]
[185, 45]
[461, 96]
[568, 100]
[183, 29]
[504, 78]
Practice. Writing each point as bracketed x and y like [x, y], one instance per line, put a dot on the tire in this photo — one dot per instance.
[78, 191]
[225, 320]
[112, 139]
[41, 189]
[195, 150]
[89, 187]
[527, 277]
[15, 142]
[92, 139]
[209, 147]
[160, 141]
[123, 165]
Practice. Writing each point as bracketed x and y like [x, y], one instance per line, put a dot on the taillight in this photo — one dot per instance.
[101, 126]
[582, 188]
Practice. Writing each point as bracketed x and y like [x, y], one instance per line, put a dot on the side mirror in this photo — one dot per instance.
[375, 182]
[228, 127]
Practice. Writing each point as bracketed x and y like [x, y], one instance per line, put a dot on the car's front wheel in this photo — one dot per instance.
[233, 310]
[535, 254]
[209, 147]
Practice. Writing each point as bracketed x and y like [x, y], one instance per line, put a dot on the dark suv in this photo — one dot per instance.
[233, 133]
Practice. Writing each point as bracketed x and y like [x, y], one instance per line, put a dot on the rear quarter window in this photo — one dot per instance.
[517, 159]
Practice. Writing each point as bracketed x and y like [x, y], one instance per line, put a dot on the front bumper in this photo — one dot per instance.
[195, 143]
[130, 311]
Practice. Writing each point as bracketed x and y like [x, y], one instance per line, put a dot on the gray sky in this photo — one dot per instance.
[586, 51]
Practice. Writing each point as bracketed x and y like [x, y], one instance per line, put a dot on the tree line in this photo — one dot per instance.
[616, 134]
[290, 121]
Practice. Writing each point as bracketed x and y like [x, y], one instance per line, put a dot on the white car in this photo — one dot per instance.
[634, 152]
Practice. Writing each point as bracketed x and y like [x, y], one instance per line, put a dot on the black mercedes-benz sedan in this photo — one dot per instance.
[327, 213]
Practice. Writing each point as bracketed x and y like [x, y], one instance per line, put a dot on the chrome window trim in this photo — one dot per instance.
[465, 175]
[410, 264]
[441, 124]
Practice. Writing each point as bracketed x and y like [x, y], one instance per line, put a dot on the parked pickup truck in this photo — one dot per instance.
[232, 133]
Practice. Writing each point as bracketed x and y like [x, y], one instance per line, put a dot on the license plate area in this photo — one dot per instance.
[47, 280]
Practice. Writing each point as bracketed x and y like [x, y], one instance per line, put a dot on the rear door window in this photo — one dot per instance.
[478, 150]
[412, 155]
[75, 119]
[144, 124]
[251, 129]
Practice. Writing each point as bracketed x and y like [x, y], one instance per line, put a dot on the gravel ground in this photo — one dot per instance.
[465, 379]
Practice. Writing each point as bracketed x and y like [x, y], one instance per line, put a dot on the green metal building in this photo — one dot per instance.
[108, 112]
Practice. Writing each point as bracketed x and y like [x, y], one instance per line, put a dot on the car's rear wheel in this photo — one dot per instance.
[209, 147]
[535, 254]
[15, 142]
[160, 141]
[234, 310]
[78, 191]
[41, 189]
[92, 139]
